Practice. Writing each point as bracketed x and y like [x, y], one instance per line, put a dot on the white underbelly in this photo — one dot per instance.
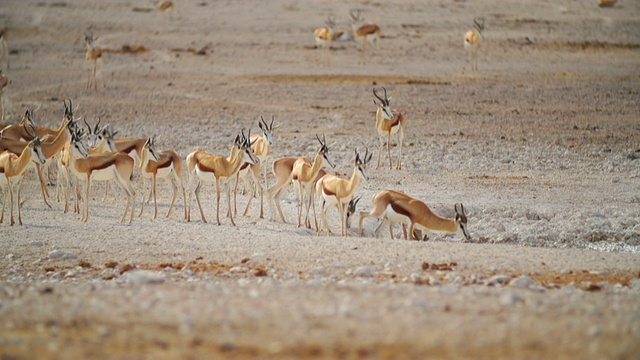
[205, 176]
[104, 174]
[395, 217]
[164, 172]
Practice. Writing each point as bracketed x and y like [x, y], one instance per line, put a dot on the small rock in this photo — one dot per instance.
[498, 280]
[36, 243]
[510, 298]
[594, 330]
[70, 274]
[142, 277]
[239, 269]
[60, 254]
[319, 271]
[10, 256]
[363, 272]
[522, 282]
[108, 274]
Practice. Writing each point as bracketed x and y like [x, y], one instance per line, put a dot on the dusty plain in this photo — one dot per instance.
[541, 145]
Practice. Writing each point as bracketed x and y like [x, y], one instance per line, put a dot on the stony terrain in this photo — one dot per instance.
[541, 145]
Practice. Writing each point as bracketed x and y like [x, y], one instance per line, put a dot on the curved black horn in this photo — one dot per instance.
[376, 95]
[88, 126]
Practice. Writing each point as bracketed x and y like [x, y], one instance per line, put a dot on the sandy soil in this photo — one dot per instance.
[541, 145]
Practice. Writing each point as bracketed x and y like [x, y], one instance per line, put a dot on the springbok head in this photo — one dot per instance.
[95, 136]
[267, 129]
[361, 163]
[324, 150]
[385, 103]
[150, 147]
[351, 209]
[245, 146]
[35, 143]
[356, 17]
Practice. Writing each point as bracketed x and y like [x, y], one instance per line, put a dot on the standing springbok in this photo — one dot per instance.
[388, 123]
[4, 82]
[167, 165]
[336, 191]
[92, 54]
[210, 168]
[101, 167]
[4, 51]
[283, 169]
[367, 33]
[250, 173]
[324, 37]
[50, 148]
[397, 207]
[472, 41]
[14, 166]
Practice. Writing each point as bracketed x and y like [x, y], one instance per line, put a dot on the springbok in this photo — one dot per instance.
[92, 54]
[336, 191]
[388, 123]
[4, 51]
[14, 166]
[397, 207]
[472, 41]
[167, 165]
[283, 169]
[324, 37]
[210, 168]
[4, 82]
[102, 167]
[250, 173]
[367, 33]
[50, 148]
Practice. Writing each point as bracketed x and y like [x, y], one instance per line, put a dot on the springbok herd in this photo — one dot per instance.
[85, 153]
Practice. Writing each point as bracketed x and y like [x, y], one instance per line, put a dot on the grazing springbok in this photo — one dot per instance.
[336, 191]
[397, 207]
[14, 166]
[388, 123]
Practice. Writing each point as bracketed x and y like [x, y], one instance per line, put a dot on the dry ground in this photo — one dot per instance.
[541, 145]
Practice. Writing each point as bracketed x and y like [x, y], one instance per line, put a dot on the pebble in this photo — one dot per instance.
[363, 272]
[141, 277]
[510, 298]
[498, 280]
[594, 330]
[522, 282]
[61, 254]
[239, 269]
